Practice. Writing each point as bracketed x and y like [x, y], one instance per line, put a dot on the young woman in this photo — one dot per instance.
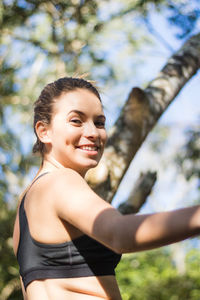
[67, 239]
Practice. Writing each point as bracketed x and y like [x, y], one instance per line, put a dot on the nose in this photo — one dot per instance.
[91, 131]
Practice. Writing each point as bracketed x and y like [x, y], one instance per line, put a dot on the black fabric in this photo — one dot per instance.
[80, 257]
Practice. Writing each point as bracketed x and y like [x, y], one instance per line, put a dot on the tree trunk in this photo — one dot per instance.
[139, 114]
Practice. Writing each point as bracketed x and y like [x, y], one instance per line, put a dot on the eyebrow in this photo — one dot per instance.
[83, 114]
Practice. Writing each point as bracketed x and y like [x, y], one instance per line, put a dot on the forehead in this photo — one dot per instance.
[79, 99]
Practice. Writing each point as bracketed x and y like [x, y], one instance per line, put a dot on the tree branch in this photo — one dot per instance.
[140, 113]
[139, 193]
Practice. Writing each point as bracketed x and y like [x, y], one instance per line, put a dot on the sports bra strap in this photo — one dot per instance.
[38, 177]
[31, 186]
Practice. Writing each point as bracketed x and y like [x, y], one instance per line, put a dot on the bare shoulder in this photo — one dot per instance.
[75, 202]
[68, 176]
[68, 197]
[54, 183]
[65, 190]
[65, 181]
[70, 185]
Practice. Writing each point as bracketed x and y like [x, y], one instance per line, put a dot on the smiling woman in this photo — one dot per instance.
[67, 239]
[76, 135]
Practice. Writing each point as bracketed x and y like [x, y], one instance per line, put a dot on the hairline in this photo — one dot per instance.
[56, 99]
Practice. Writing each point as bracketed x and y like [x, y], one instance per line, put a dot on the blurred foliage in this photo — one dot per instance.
[9, 281]
[41, 41]
[188, 158]
[159, 138]
[152, 275]
[184, 15]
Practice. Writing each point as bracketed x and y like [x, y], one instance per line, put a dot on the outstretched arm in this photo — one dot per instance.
[80, 206]
[144, 232]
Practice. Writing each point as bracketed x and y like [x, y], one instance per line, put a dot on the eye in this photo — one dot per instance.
[100, 124]
[76, 121]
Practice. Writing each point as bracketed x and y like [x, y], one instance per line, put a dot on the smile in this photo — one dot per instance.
[89, 148]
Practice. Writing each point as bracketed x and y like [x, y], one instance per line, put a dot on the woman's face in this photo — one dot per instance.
[77, 130]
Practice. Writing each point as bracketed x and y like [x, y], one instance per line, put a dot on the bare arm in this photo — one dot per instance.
[155, 230]
[80, 206]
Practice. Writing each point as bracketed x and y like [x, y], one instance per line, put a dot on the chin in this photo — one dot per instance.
[90, 165]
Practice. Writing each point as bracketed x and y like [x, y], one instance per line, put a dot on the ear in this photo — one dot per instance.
[42, 130]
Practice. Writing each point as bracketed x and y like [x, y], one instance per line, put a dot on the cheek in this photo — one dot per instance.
[72, 136]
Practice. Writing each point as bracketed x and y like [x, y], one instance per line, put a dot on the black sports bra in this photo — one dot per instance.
[80, 257]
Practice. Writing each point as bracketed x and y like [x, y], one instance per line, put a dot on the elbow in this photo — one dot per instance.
[121, 247]
[119, 250]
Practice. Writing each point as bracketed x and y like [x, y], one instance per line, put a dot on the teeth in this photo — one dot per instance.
[90, 148]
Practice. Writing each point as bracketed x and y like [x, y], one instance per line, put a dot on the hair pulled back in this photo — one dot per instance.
[43, 106]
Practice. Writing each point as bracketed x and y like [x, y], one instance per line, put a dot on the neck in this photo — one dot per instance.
[50, 159]
[51, 164]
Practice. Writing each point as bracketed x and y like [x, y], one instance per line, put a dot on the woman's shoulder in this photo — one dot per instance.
[49, 187]
[64, 176]
[60, 180]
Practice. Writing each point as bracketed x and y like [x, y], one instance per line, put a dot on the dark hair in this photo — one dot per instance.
[43, 107]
